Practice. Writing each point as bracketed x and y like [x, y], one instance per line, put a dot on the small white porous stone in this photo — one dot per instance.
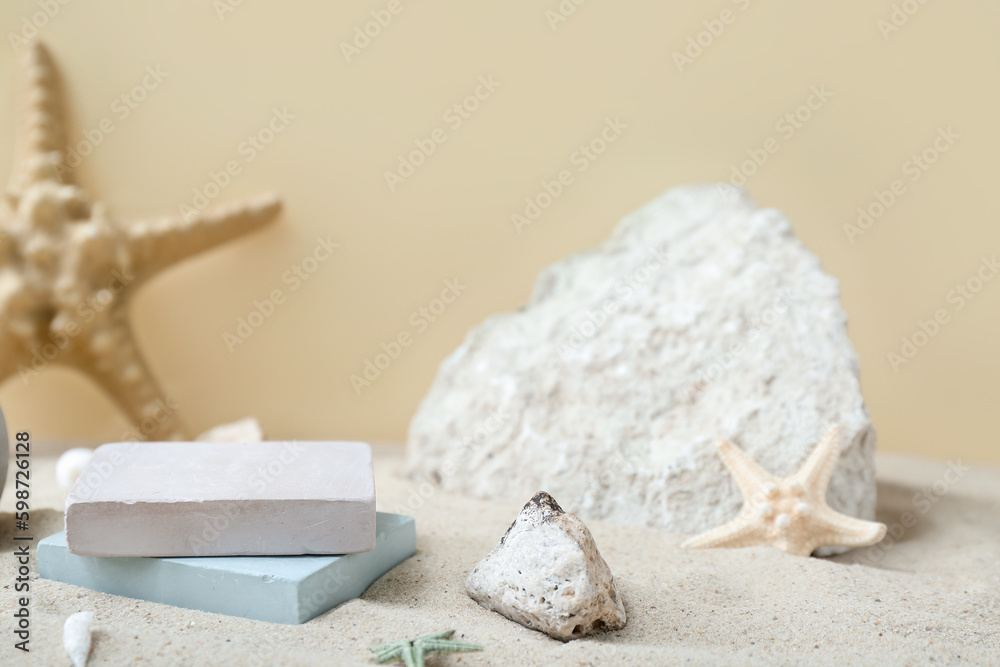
[244, 430]
[70, 464]
[76, 637]
[548, 575]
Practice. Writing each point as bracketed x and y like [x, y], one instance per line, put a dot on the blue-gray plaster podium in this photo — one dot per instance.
[280, 589]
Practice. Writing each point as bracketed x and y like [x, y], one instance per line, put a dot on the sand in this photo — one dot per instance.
[932, 595]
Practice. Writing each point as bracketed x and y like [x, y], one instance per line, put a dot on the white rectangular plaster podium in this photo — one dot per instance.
[177, 499]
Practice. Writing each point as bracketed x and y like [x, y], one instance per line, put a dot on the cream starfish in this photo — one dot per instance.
[67, 270]
[790, 514]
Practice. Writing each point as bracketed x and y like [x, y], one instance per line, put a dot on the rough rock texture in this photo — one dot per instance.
[548, 575]
[702, 317]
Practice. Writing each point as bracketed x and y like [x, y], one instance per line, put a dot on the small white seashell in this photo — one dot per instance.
[244, 430]
[71, 464]
[76, 637]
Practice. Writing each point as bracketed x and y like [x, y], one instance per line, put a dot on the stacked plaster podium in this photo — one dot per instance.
[273, 531]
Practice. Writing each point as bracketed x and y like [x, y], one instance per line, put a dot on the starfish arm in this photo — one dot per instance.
[156, 244]
[816, 471]
[114, 360]
[412, 657]
[13, 355]
[393, 652]
[749, 476]
[447, 646]
[840, 530]
[443, 634]
[19, 328]
[385, 648]
[798, 547]
[41, 137]
[740, 532]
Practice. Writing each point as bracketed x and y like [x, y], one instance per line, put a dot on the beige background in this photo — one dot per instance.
[451, 219]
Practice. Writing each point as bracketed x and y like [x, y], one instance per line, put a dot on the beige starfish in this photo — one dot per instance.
[67, 270]
[790, 514]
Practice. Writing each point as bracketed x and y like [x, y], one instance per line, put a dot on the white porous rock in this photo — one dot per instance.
[547, 574]
[702, 317]
[76, 637]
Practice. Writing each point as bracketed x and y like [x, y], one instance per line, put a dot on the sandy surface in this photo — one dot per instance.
[933, 595]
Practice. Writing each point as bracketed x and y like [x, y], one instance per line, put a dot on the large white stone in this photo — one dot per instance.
[702, 317]
[547, 574]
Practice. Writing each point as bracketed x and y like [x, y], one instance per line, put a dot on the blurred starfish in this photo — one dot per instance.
[67, 270]
[412, 651]
[790, 514]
